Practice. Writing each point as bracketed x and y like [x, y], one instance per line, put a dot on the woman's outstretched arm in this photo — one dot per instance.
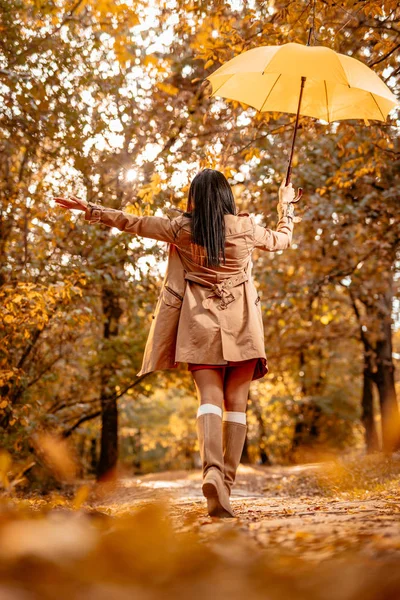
[157, 228]
[272, 240]
[281, 238]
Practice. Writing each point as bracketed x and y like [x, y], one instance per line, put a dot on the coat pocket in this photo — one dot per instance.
[171, 297]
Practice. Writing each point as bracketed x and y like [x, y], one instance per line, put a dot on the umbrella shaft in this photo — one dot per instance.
[289, 169]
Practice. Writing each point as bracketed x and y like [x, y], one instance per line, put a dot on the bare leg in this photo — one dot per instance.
[237, 385]
[209, 386]
[234, 419]
[210, 390]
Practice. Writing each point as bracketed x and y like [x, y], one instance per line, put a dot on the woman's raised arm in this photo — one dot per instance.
[162, 229]
[281, 238]
[272, 240]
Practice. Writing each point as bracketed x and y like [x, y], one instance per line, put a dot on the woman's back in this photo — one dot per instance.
[221, 315]
[242, 236]
[238, 230]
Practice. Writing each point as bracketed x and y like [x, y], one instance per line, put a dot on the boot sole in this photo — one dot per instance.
[211, 491]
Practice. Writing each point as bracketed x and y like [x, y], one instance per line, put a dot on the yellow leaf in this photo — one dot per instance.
[81, 496]
[131, 209]
[168, 88]
[5, 463]
[325, 319]
[150, 59]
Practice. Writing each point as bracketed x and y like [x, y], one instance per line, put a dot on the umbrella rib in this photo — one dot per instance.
[378, 106]
[327, 104]
[269, 93]
[215, 91]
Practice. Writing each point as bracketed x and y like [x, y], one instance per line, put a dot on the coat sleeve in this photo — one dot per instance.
[272, 240]
[162, 229]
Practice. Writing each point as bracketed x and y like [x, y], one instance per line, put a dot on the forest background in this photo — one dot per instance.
[104, 100]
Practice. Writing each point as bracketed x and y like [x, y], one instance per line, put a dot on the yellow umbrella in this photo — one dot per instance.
[313, 81]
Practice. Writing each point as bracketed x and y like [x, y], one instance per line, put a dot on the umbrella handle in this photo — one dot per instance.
[298, 196]
[289, 169]
[300, 190]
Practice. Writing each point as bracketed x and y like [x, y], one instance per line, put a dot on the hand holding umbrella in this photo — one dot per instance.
[304, 80]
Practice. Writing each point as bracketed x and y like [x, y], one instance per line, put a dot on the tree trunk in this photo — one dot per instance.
[379, 368]
[261, 427]
[389, 409]
[109, 411]
[137, 451]
[384, 378]
[93, 456]
[367, 418]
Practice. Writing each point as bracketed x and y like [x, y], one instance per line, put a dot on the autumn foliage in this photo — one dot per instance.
[106, 100]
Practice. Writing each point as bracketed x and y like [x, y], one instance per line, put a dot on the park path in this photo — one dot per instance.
[306, 532]
[318, 508]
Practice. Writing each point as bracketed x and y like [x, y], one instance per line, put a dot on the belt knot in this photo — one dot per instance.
[221, 289]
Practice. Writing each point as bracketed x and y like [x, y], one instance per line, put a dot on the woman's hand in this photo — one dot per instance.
[286, 193]
[287, 197]
[72, 202]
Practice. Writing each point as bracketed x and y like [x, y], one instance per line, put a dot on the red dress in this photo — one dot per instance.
[231, 363]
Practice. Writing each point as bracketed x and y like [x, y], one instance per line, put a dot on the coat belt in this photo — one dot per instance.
[221, 289]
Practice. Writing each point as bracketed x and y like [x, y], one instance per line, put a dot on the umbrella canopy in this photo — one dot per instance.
[336, 86]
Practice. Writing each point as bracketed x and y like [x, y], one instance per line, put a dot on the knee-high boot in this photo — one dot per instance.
[209, 432]
[234, 430]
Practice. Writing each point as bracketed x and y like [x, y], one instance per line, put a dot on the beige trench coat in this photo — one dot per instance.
[203, 315]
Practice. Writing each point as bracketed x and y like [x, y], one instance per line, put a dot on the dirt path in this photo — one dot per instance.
[326, 531]
[319, 509]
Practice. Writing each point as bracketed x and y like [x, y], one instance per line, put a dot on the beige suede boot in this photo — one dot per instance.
[209, 432]
[234, 437]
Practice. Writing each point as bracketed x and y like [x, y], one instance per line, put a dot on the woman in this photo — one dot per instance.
[209, 314]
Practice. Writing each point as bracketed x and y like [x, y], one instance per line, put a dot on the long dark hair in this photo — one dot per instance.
[210, 198]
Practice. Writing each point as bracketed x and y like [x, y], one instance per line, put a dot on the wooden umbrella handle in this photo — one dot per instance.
[299, 191]
[298, 196]
[289, 169]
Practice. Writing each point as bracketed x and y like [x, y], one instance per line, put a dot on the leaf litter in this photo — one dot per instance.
[317, 531]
